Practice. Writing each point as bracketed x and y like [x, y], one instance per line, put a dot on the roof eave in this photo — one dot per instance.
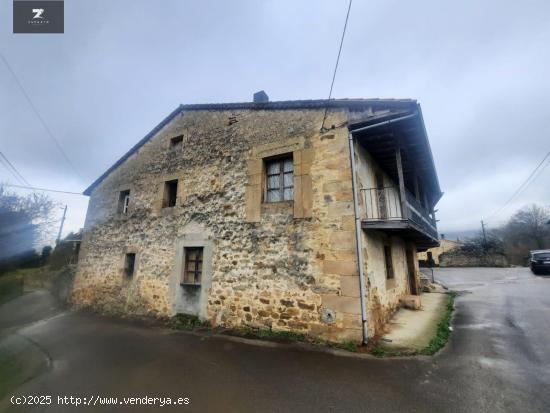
[88, 191]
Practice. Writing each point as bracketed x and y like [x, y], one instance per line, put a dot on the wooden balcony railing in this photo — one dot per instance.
[384, 204]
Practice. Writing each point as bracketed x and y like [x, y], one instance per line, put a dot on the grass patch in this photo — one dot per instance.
[443, 332]
[268, 334]
[11, 286]
[190, 323]
[349, 346]
[185, 322]
[379, 352]
[288, 336]
[14, 283]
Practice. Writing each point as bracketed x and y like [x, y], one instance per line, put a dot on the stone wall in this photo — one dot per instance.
[285, 266]
[445, 245]
[459, 259]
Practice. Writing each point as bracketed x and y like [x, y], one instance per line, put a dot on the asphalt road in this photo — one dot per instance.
[498, 360]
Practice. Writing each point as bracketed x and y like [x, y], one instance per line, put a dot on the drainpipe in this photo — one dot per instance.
[358, 243]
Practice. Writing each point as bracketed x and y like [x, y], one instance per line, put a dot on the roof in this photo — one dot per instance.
[379, 137]
[350, 104]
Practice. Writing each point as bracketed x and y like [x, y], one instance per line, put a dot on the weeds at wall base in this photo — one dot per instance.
[189, 323]
[439, 341]
[192, 323]
[443, 331]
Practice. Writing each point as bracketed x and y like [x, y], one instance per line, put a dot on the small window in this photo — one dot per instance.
[176, 142]
[279, 180]
[123, 201]
[170, 194]
[389, 262]
[129, 264]
[192, 272]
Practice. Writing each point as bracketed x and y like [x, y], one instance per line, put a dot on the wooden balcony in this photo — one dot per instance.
[383, 210]
[402, 203]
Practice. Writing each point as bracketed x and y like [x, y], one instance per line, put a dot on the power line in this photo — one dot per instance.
[34, 188]
[524, 185]
[35, 110]
[10, 171]
[337, 61]
[15, 169]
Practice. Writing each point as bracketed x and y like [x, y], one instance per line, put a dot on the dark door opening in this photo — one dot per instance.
[411, 272]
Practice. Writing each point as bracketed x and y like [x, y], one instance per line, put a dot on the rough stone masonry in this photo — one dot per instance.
[287, 265]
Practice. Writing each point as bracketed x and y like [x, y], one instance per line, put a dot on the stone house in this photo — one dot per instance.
[430, 257]
[249, 214]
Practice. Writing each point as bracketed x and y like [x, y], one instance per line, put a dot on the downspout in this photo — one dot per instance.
[358, 243]
[358, 240]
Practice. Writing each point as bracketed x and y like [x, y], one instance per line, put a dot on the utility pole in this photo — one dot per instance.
[61, 226]
[484, 235]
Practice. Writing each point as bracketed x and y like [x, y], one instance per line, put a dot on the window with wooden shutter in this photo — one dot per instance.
[192, 272]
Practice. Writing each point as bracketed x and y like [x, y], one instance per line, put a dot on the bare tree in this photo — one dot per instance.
[529, 225]
[526, 230]
[24, 221]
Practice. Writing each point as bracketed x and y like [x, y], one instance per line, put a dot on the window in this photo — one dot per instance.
[279, 180]
[170, 194]
[123, 201]
[192, 272]
[389, 262]
[176, 142]
[129, 264]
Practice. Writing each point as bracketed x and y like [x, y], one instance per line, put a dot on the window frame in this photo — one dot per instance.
[166, 198]
[388, 263]
[176, 142]
[197, 273]
[123, 201]
[281, 160]
[126, 272]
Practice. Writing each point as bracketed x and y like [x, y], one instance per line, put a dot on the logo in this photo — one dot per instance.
[37, 13]
[38, 16]
[38, 19]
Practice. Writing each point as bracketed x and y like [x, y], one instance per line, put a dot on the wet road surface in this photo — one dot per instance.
[498, 360]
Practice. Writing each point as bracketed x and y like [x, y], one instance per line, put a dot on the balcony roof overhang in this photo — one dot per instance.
[405, 229]
[379, 135]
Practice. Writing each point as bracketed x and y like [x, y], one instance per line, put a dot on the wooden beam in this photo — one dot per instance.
[416, 186]
[402, 193]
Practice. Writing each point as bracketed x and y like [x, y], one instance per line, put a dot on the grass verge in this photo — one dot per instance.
[443, 329]
[441, 337]
[11, 286]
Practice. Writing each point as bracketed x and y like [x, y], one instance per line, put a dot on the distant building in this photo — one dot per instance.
[243, 215]
[430, 257]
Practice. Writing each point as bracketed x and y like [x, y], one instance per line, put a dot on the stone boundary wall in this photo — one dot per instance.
[457, 259]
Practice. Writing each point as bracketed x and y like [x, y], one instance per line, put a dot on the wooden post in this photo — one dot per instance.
[426, 204]
[403, 195]
[416, 187]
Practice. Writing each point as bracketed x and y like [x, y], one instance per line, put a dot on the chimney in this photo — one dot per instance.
[261, 97]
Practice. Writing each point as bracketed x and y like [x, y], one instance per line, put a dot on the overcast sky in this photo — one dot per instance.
[480, 70]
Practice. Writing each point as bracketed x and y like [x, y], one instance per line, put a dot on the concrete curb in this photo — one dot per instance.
[300, 346]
